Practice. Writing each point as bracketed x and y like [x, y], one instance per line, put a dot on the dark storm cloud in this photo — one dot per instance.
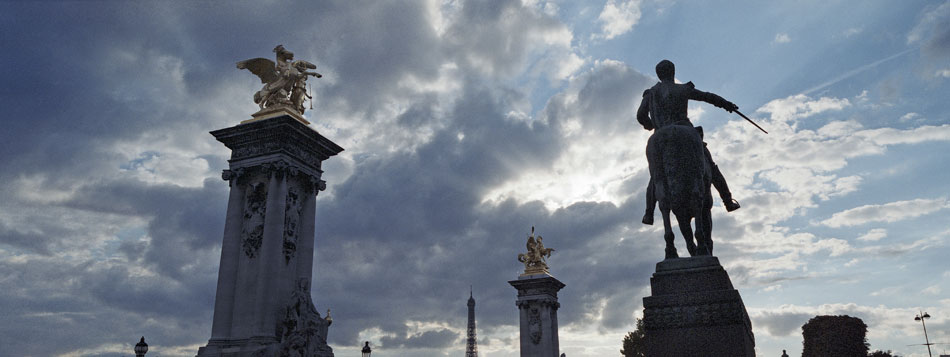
[429, 339]
[372, 46]
[610, 96]
[411, 227]
[497, 36]
[37, 242]
[416, 218]
[435, 189]
[57, 307]
[84, 295]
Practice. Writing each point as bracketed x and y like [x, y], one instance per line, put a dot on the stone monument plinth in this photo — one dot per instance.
[695, 311]
[263, 304]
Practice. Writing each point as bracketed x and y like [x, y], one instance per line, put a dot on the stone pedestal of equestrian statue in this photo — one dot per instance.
[263, 305]
[537, 301]
[695, 311]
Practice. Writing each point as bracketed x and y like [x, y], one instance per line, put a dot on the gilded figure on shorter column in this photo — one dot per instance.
[535, 260]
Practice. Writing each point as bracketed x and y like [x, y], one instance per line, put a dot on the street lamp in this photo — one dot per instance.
[141, 348]
[921, 317]
[366, 350]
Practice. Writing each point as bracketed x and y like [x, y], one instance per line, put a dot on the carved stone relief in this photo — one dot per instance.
[696, 315]
[534, 324]
[252, 232]
[292, 210]
[301, 330]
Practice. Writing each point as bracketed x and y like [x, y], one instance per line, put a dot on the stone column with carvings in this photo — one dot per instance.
[537, 302]
[695, 311]
[263, 304]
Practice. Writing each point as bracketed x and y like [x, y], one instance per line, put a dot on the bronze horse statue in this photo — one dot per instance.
[681, 169]
[681, 180]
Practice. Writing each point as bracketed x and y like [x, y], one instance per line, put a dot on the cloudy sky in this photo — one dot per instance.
[465, 123]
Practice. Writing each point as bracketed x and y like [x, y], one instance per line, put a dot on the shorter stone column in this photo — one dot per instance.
[537, 301]
[537, 306]
[695, 311]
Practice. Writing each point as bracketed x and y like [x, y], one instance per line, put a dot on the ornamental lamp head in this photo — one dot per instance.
[141, 348]
[367, 350]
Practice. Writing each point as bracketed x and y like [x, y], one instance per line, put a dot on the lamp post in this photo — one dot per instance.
[921, 317]
[141, 348]
[366, 350]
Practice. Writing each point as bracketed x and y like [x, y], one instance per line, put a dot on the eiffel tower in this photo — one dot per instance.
[471, 349]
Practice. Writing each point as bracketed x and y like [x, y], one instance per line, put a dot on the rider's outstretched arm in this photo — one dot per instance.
[710, 98]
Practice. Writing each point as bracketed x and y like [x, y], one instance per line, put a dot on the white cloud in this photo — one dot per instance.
[888, 212]
[618, 19]
[863, 97]
[695, 113]
[789, 171]
[892, 136]
[886, 291]
[852, 31]
[932, 290]
[169, 168]
[559, 65]
[782, 37]
[891, 250]
[802, 106]
[883, 321]
[909, 116]
[945, 73]
[874, 235]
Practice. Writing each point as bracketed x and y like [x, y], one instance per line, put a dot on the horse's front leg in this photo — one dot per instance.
[703, 232]
[684, 222]
[668, 233]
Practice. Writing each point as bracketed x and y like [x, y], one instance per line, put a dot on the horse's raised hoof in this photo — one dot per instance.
[647, 218]
[731, 205]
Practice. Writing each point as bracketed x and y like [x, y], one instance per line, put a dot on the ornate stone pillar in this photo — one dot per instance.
[537, 301]
[537, 308]
[267, 248]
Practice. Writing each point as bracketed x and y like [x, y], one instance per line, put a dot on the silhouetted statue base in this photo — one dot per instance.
[695, 311]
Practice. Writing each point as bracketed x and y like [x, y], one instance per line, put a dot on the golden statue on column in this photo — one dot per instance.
[535, 260]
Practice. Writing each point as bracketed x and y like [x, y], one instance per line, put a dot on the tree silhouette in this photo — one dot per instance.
[633, 343]
[841, 336]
